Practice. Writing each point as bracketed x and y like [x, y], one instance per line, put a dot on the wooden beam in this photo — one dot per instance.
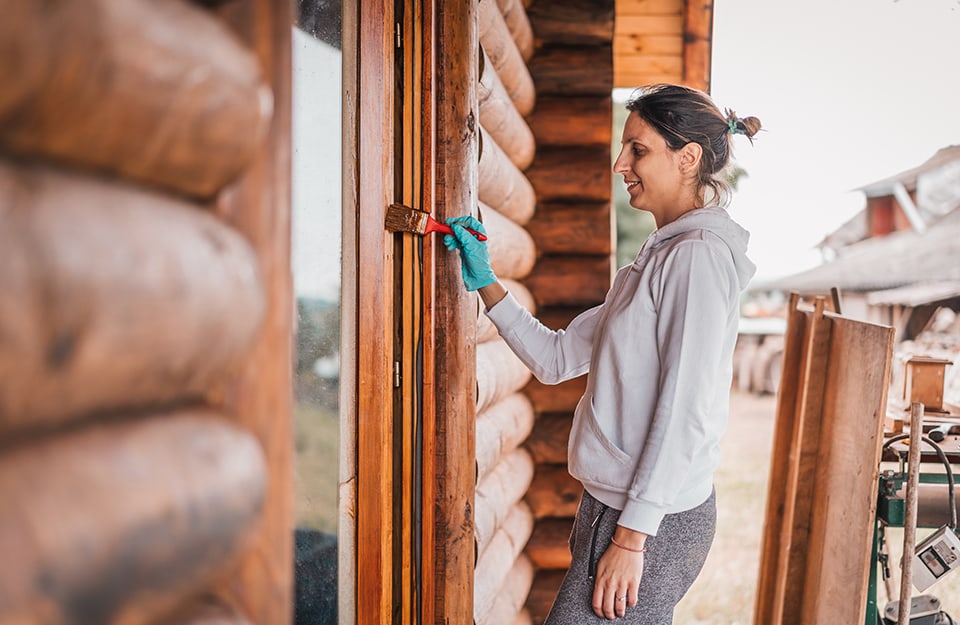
[561, 397]
[124, 521]
[649, 7]
[547, 441]
[549, 545]
[504, 55]
[573, 22]
[570, 280]
[258, 205]
[499, 492]
[542, 593]
[573, 70]
[495, 563]
[84, 84]
[572, 173]
[501, 119]
[511, 248]
[499, 373]
[576, 228]
[630, 45]
[575, 120]
[508, 607]
[518, 23]
[115, 297]
[553, 493]
[501, 428]
[697, 43]
[650, 24]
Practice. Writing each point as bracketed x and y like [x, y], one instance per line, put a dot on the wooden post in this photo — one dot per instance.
[910, 518]
[697, 36]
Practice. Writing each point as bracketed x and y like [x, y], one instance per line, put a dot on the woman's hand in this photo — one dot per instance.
[474, 256]
[619, 571]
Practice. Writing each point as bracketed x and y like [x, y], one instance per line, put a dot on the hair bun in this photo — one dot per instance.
[748, 126]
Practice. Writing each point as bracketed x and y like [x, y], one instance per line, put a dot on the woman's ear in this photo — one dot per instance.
[690, 155]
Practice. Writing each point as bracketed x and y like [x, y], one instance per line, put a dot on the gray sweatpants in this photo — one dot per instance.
[673, 560]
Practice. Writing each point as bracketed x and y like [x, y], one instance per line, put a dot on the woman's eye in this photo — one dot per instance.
[638, 152]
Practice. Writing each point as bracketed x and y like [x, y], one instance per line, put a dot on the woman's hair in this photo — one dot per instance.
[681, 115]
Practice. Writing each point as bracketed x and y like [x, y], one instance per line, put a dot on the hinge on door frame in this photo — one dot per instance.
[396, 26]
[396, 374]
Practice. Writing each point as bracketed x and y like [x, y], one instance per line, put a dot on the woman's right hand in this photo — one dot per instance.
[474, 255]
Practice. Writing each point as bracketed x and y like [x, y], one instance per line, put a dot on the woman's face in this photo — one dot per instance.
[658, 179]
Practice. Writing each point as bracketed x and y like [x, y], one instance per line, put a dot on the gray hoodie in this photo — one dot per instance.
[659, 352]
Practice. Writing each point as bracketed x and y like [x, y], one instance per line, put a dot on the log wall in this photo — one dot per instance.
[146, 323]
[573, 230]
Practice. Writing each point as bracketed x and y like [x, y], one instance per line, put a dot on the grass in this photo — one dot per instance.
[316, 467]
[724, 593]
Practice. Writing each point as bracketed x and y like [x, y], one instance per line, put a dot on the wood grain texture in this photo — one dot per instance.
[495, 563]
[561, 397]
[573, 228]
[518, 24]
[511, 248]
[580, 173]
[499, 491]
[258, 205]
[504, 56]
[697, 43]
[570, 280]
[553, 493]
[501, 119]
[499, 373]
[547, 441]
[501, 428]
[549, 545]
[116, 297]
[573, 70]
[501, 184]
[124, 521]
[580, 120]
[155, 92]
[572, 22]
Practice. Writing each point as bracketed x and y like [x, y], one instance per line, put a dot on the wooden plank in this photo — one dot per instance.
[83, 85]
[549, 545]
[806, 440]
[573, 22]
[501, 184]
[573, 70]
[649, 7]
[697, 43]
[501, 119]
[785, 424]
[650, 64]
[547, 442]
[504, 55]
[125, 521]
[845, 481]
[650, 24]
[553, 492]
[575, 228]
[631, 80]
[561, 397]
[572, 174]
[631, 44]
[570, 280]
[450, 471]
[115, 297]
[575, 120]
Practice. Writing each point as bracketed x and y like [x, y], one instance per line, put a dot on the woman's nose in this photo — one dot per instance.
[619, 165]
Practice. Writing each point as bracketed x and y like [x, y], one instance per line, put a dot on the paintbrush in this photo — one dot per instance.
[402, 218]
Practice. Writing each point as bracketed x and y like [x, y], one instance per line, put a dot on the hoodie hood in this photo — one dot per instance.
[716, 220]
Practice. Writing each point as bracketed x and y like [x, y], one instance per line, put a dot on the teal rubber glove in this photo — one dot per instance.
[474, 256]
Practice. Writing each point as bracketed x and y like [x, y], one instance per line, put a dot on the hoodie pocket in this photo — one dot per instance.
[591, 452]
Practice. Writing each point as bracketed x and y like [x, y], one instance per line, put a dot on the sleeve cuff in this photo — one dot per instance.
[641, 517]
[506, 312]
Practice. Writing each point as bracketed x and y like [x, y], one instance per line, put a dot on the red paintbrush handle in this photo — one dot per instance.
[435, 226]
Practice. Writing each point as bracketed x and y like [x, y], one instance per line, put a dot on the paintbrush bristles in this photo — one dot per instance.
[402, 218]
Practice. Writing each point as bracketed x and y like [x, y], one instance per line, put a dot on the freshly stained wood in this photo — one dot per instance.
[580, 173]
[501, 428]
[501, 119]
[556, 398]
[503, 186]
[573, 22]
[573, 70]
[518, 23]
[511, 248]
[508, 604]
[570, 280]
[115, 297]
[553, 493]
[499, 491]
[486, 331]
[547, 441]
[573, 228]
[504, 55]
[494, 563]
[499, 373]
[549, 546]
[153, 91]
[583, 120]
[124, 521]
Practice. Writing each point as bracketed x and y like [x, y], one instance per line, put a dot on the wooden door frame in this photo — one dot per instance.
[449, 187]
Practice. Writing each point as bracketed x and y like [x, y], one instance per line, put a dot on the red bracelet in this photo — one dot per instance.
[625, 548]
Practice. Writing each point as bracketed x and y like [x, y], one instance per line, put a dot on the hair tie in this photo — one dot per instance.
[733, 126]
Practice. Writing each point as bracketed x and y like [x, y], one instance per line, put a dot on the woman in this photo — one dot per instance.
[658, 353]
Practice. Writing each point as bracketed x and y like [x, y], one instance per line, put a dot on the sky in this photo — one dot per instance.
[849, 92]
